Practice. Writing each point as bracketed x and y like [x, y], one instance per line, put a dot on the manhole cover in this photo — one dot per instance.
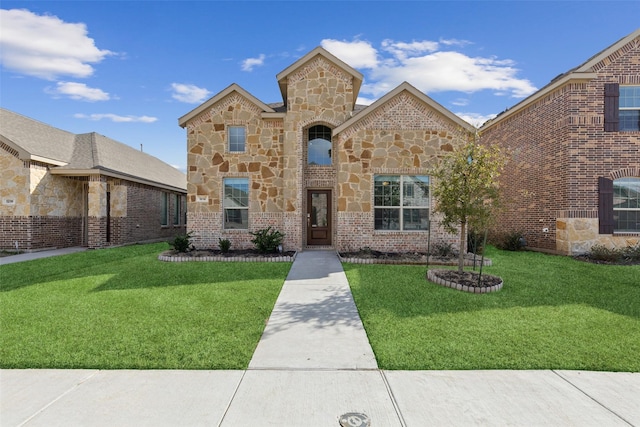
[354, 419]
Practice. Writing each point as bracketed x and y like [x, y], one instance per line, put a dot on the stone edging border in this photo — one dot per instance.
[172, 258]
[472, 289]
[468, 263]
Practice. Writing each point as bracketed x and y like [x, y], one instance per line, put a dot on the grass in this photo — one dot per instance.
[552, 313]
[123, 309]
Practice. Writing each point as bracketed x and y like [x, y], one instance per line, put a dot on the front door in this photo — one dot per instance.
[318, 217]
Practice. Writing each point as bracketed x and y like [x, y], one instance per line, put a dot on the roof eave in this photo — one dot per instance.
[182, 121]
[415, 92]
[587, 66]
[113, 174]
[574, 77]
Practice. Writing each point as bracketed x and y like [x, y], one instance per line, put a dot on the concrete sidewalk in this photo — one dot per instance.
[317, 398]
[28, 256]
[312, 365]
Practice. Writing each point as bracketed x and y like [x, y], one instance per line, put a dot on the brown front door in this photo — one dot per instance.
[318, 217]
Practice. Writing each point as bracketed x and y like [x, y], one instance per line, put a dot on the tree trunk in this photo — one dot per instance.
[461, 251]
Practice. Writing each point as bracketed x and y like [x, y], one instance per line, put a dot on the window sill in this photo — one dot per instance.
[398, 231]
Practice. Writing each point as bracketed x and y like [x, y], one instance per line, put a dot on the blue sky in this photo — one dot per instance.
[130, 69]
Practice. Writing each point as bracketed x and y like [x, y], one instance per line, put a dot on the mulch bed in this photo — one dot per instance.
[468, 278]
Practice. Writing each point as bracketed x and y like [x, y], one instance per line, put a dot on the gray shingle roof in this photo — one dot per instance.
[90, 151]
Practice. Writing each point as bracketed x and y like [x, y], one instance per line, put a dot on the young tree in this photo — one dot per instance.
[466, 189]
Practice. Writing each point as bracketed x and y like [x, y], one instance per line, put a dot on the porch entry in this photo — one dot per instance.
[319, 217]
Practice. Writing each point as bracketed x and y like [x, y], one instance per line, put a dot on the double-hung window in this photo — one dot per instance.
[626, 205]
[621, 108]
[401, 202]
[629, 108]
[236, 203]
[236, 138]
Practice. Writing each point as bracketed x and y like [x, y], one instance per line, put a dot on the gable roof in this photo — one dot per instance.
[318, 51]
[182, 121]
[85, 154]
[584, 72]
[413, 91]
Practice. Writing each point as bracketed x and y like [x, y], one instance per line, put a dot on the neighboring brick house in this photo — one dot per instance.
[58, 189]
[319, 168]
[574, 176]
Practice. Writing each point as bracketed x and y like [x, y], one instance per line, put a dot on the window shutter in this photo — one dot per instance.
[611, 106]
[605, 205]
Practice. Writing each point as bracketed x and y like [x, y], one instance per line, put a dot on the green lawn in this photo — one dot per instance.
[122, 308]
[552, 313]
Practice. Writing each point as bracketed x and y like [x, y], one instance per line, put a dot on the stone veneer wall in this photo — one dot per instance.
[404, 137]
[210, 162]
[37, 210]
[558, 150]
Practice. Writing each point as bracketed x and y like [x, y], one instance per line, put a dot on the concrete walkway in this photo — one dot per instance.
[28, 256]
[312, 365]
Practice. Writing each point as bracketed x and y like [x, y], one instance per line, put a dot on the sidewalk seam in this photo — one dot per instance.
[396, 407]
[233, 396]
[592, 398]
[45, 407]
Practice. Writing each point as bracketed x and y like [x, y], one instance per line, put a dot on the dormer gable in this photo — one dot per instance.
[440, 114]
[307, 61]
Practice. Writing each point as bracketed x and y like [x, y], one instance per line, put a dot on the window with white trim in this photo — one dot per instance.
[629, 112]
[626, 205]
[401, 202]
[236, 136]
[236, 203]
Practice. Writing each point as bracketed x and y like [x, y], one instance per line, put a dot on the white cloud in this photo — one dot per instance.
[358, 54]
[250, 63]
[452, 71]
[116, 118]
[79, 91]
[460, 102]
[475, 119]
[403, 50]
[190, 94]
[430, 66]
[44, 46]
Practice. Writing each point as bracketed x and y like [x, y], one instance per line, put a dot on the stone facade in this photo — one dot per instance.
[404, 133]
[559, 148]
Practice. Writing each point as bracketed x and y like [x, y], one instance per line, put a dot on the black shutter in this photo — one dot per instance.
[611, 106]
[605, 205]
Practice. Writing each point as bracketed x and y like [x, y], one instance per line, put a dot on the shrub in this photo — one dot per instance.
[182, 243]
[225, 245]
[632, 253]
[603, 253]
[267, 240]
[475, 241]
[443, 249]
[512, 241]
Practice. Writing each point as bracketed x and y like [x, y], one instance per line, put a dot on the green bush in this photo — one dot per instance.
[443, 249]
[182, 243]
[511, 241]
[475, 242]
[267, 240]
[225, 245]
[632, 253]
[603, 253]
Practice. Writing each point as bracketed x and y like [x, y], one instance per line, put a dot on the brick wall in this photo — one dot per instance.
[558, 149]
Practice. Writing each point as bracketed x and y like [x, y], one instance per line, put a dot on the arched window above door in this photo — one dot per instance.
[319, 146]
